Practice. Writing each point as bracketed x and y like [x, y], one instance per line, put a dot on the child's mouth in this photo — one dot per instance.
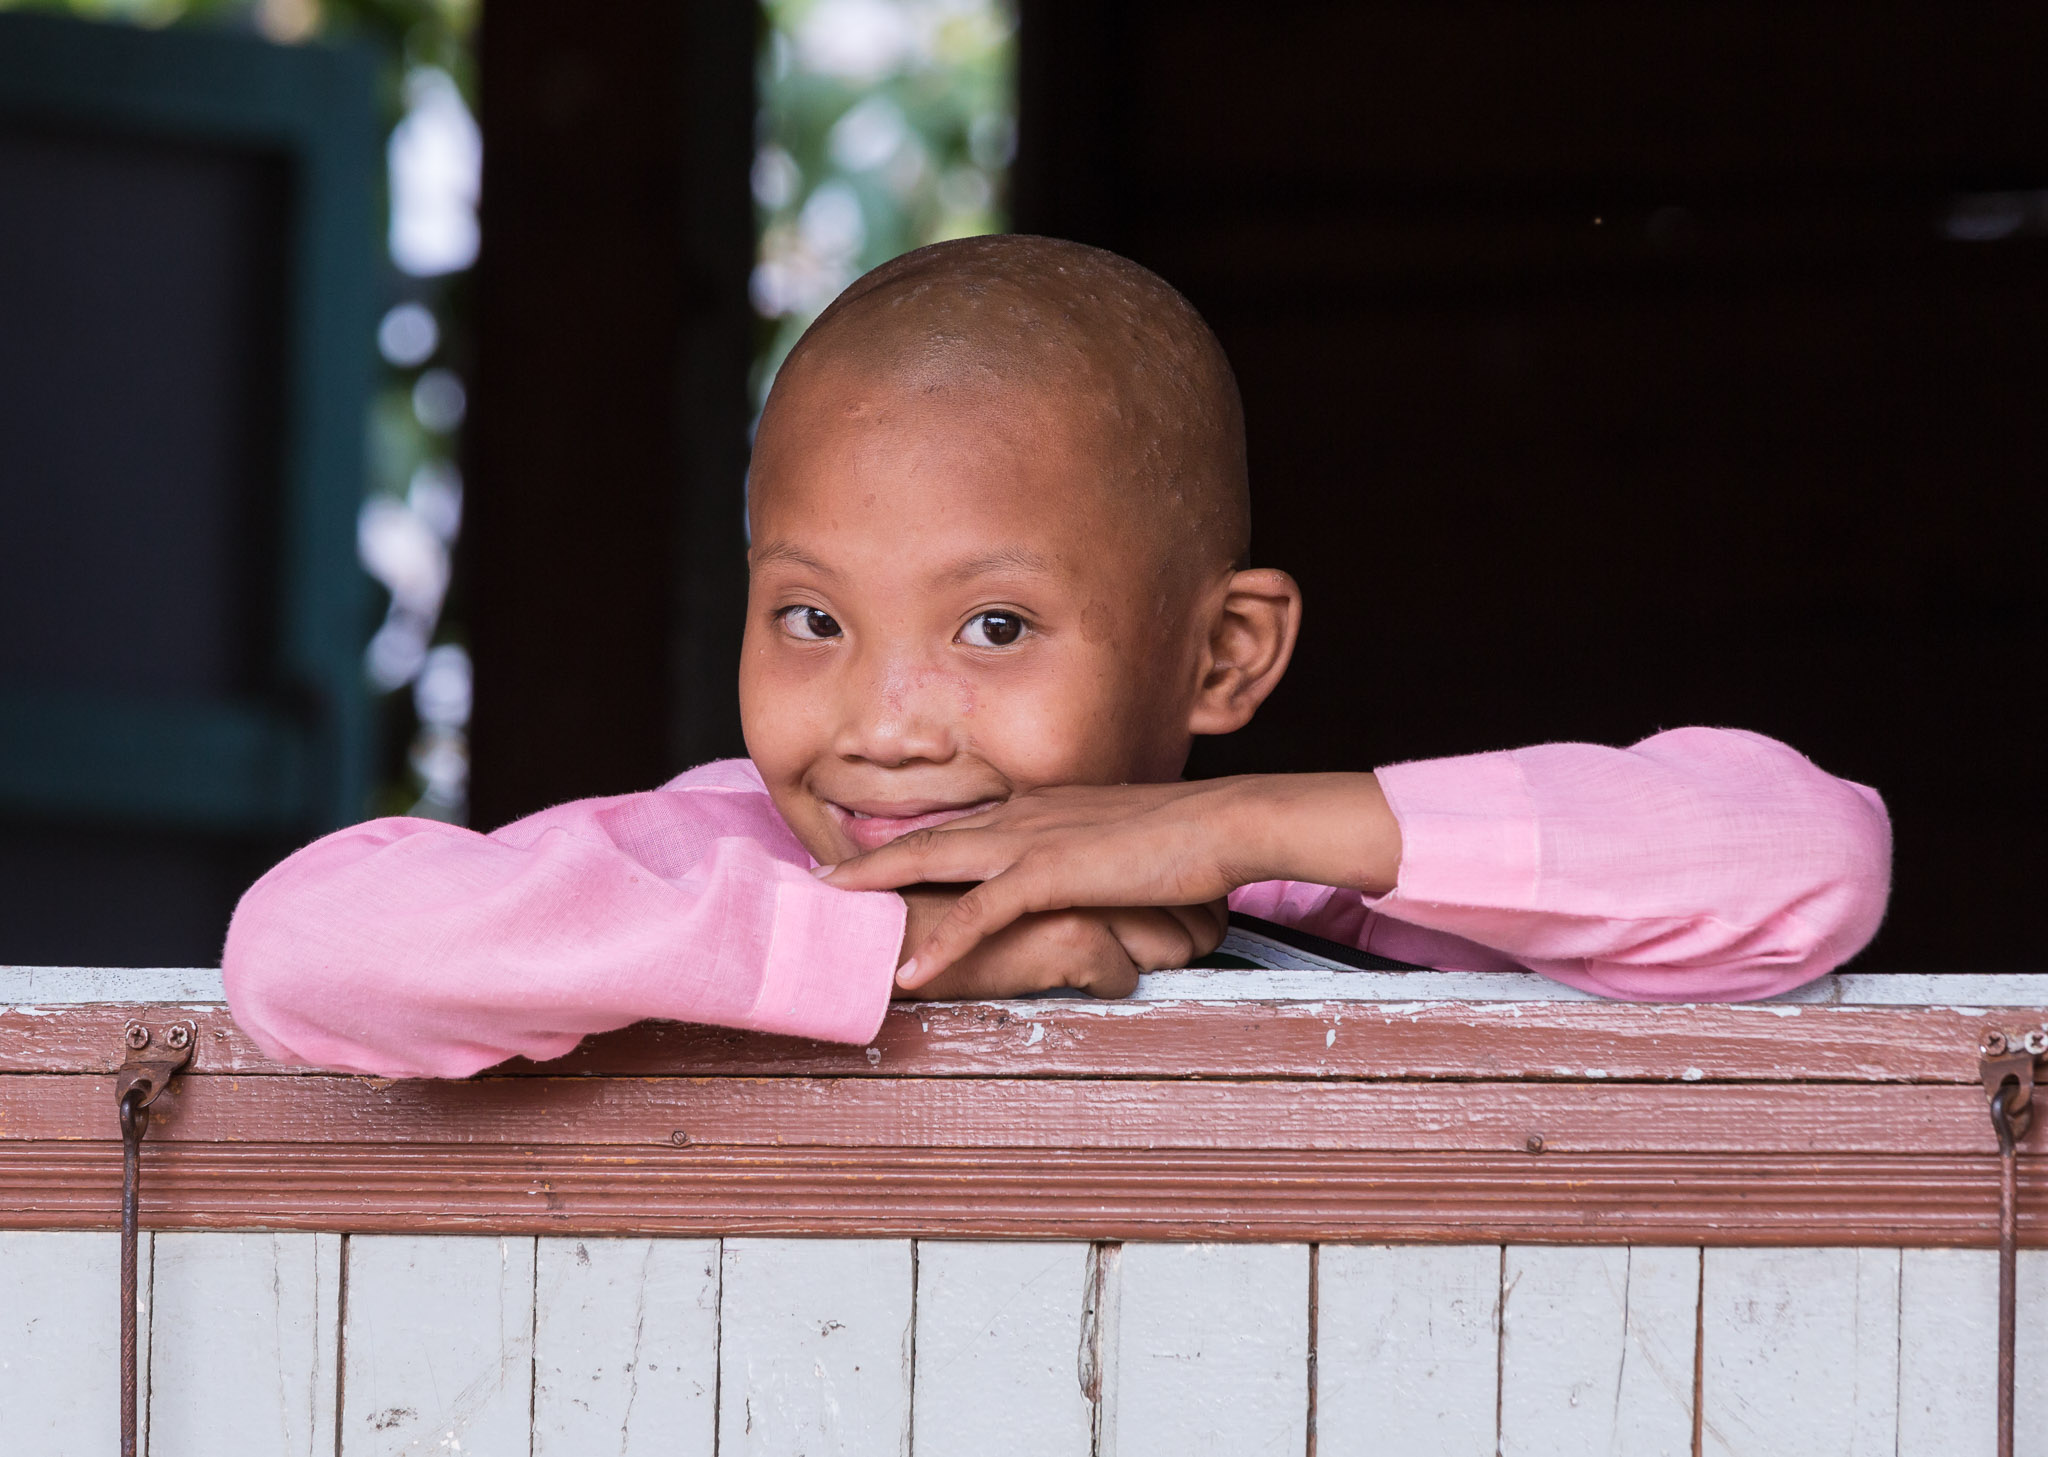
[872, 826]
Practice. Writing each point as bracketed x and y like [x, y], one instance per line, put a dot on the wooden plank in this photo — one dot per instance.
[1948, 1352]
[815, 1345]
[1597, 1350]
[244, 1337]
[1801, 1352]
[81, 986]
[999, 1333]
[625, 1347]
[1132, 1193]
[1407, 1350]
[1326, 1038]
[1211, 1351]
[60, 1327]
[2030, 1353]
[1593, 1117]
[437, 1347]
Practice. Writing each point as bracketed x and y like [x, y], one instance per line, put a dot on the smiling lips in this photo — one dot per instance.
[876, 825]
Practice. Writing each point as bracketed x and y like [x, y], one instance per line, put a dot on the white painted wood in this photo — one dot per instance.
[1596, 1350]
[2030, 1357]
[625, 1347]
[1948, 1352]
[815, 1348]
[57, 986]
[60, 1340]
[32, 988]
[437, 1347]
[1407, 1350]
[243, 1340]
[1801, 1352]
[999, 1329]
[1212, 1351]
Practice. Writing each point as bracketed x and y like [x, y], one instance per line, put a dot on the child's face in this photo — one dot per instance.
[948, 608]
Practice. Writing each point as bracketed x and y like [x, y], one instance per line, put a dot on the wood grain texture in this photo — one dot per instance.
[1329, 1038]
[815, 1347]
[1597, 1350]
[437, 1345]
[846, 1113]
[1212, 1351]
[999, 1330]
[1801, 1352]
[1191, 1194]
[1948, 1352]
[625, 1347]
[1407, 1350]
[60, 1332]
[244, 1341]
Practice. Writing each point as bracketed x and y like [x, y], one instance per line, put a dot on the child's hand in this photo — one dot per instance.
[1099, 951]
[1132, 845]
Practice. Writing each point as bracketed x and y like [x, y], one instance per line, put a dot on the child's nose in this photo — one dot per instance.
[898, 715]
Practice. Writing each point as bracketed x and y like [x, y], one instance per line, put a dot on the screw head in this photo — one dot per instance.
[1994, 1043]
[137, 1036]
[1535, 1143]
[679, 1137]
[179, 1036]
[2037, 1042]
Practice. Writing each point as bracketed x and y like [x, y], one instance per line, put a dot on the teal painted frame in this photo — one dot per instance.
[296, 760]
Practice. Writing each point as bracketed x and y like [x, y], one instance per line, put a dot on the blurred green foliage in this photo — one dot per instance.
[884, 125]
[406, 33]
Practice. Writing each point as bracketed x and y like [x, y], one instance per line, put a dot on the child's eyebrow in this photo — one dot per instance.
[777, 553]
[1003, 559]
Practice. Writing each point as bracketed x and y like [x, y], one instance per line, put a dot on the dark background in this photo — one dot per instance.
[1608, 367]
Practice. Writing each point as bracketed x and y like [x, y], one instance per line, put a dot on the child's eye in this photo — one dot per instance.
[992, 630]
[808, 623]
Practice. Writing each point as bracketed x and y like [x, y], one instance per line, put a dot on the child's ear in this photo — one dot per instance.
[1251, 637]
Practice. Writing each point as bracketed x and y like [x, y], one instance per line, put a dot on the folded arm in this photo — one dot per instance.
[410, 948]
[1700, 863]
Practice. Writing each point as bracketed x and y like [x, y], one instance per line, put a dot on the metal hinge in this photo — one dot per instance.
[151, 1063]
[2007, 1063]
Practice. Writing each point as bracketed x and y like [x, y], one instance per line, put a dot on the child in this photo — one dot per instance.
[998, 580]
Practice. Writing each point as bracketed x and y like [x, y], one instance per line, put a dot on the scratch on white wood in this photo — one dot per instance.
[438, 1346]
[60, 1335]
[1212, 1351]
[243, 1332]
[626, 1348]
[815, 1348]
[1801, 1352]
[1596, 1351]
[999, 1329]
[1948, 1352]
[1407, 1350]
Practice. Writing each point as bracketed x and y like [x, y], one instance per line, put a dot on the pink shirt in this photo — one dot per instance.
[1701, 864]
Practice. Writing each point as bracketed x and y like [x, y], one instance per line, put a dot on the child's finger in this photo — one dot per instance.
[977, 915]
[941, 856]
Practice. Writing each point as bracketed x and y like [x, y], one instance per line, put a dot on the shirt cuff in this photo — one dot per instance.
[1469, 833]
[831, 961]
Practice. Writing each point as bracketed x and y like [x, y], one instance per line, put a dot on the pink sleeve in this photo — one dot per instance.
[410, 948]
[1701, 864]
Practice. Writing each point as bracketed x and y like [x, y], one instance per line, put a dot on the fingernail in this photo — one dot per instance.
[906, 972]
[821, 871]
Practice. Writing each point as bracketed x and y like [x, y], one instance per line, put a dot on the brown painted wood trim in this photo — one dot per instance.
[1439, 1040]
[1327, 1195]
[852, 1114]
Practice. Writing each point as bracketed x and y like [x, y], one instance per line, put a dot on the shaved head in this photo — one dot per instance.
[1106, 347]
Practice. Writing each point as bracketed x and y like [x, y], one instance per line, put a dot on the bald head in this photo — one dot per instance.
[1109, 348]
